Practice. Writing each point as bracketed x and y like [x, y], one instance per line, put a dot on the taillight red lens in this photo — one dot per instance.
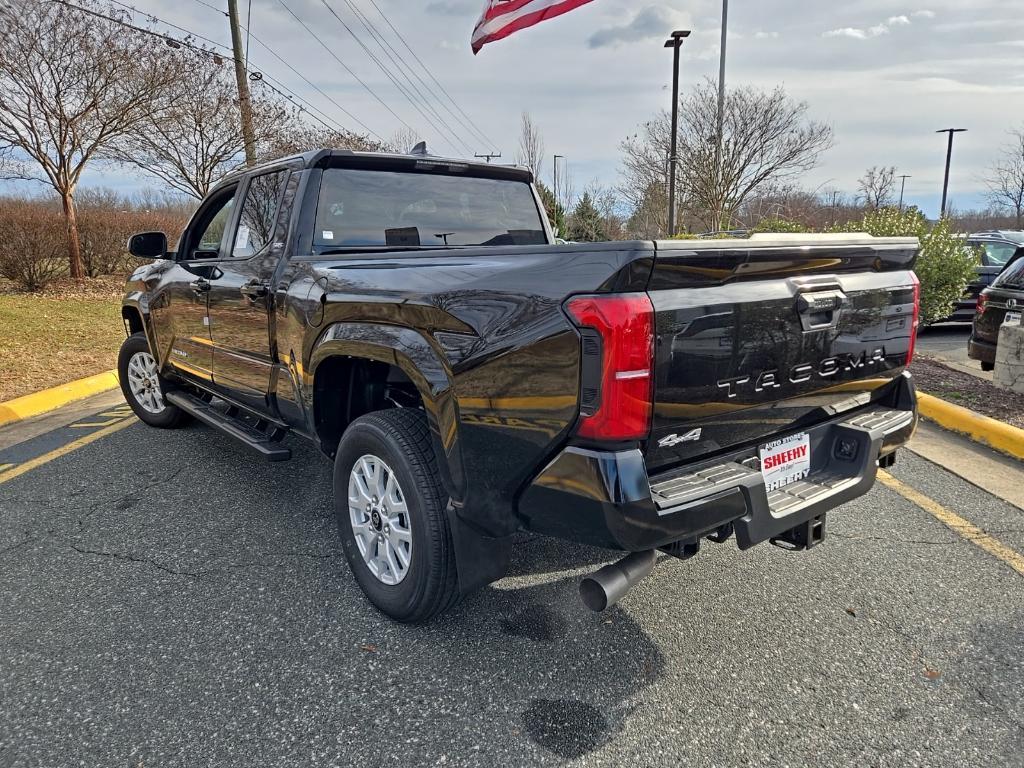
[917, 317]
[625, 323]
[982, 301]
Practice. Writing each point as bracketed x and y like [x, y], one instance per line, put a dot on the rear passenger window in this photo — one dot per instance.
[259, 213]
[1012, 275]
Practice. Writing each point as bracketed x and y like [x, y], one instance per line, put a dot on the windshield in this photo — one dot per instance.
[385, 208]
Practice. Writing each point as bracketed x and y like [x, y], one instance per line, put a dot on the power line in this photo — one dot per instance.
[410, 71]
[426, 69]
[346, 67]
[289, 95]
[382, 44]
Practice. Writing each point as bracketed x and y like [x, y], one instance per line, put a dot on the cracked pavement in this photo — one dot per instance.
[169, 600]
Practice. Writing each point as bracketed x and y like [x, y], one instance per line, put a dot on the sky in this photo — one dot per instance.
[885, 74]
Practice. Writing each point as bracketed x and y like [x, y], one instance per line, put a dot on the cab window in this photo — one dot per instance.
[207, 230]
[258, 218]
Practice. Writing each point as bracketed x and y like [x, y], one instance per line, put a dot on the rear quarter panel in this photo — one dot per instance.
[493, 317]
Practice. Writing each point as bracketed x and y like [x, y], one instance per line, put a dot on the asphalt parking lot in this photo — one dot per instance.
[169, 600]
[948, 342]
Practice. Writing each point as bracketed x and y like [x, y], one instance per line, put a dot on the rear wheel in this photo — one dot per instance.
[392, 515]
[142, 385]
[988, 366]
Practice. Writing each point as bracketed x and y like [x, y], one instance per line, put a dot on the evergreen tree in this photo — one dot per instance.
[586, 223]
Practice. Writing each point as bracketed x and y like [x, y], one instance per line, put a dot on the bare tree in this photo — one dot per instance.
[197, 138]
[71, 82]
[531, 145]
[768, 139]
[877, 186]
[403, 140]
[1006, 178]
[293, 136]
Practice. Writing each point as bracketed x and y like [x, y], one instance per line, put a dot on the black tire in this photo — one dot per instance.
[988, 366]
[171, 416]
[401, 439]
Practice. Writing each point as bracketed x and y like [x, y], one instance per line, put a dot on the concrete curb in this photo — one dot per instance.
[982, 429]
[50, 399]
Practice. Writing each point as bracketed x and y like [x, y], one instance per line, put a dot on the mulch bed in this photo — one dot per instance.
[961, 388]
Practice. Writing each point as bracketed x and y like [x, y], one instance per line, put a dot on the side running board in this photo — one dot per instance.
[265, 443]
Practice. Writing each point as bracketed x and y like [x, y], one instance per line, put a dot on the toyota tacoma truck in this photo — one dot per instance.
[470, 378]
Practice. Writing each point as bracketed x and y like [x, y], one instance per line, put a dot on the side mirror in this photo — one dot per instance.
[148, 245]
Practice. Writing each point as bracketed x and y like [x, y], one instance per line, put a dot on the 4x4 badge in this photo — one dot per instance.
[674, 439]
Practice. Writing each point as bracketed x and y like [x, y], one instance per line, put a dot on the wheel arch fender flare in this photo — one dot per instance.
[411, 352]
[135, 314]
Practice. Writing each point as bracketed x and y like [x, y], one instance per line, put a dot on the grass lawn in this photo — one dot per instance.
[49, 340]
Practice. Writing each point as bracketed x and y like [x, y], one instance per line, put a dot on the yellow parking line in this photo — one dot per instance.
[107, 423]
[4, 467]
[955, 523]
[121, 411]
[74, 445]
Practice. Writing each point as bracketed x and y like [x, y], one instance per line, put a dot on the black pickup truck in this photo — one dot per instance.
[471, 379]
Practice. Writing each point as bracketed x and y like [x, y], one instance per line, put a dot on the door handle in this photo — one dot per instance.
[254, 289]
[199, 285]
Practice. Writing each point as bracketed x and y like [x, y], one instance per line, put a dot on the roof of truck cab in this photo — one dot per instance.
[327, 158]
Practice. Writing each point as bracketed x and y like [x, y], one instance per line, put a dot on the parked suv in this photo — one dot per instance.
[997, 248]
[1005, 295]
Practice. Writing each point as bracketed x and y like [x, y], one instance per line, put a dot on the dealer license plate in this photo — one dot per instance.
[1011, 318]
[786, 461]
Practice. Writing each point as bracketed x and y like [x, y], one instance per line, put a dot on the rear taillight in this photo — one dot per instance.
[617, 387]
[917, 317]
[982, 301]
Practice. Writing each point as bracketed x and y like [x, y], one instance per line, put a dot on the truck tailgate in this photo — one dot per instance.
[757, 340]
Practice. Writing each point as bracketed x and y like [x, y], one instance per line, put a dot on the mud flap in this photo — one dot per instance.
[479, 559]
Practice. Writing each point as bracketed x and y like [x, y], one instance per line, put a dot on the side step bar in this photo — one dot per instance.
[232, 426]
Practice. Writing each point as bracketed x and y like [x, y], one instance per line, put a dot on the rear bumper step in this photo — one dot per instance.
[607, 499]
[232, 425]
[845, 457]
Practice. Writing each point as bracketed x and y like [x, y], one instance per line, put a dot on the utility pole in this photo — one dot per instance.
[244, 102]
[489, 155]
[903, 186]
[675, 42]
[949, 158]
[554, 177]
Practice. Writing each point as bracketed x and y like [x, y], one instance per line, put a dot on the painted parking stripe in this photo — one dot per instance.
[87, 424]
[955, 523]
[63, 450]
[5, 467]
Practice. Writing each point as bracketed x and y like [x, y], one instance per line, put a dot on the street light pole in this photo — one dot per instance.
[675, 42]
[721, 71]
[903, 186]
[554, 178]
[949, 158]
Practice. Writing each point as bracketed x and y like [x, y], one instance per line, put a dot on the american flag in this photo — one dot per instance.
[503, 17]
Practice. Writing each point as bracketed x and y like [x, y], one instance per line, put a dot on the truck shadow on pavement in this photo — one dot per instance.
[206, 611]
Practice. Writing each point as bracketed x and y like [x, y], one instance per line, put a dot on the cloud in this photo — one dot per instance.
[884, 28]
[762, 35]
[653, 21]
[856, 34]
